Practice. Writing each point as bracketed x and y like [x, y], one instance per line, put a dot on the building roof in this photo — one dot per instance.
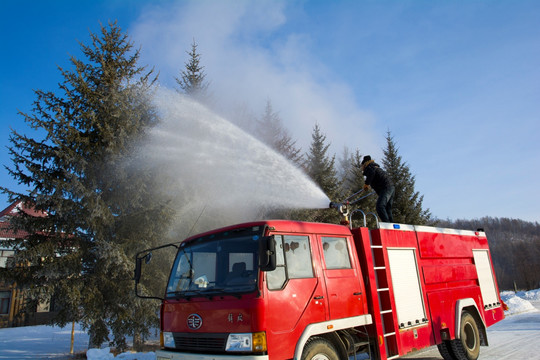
[19, 206]
[6, 232]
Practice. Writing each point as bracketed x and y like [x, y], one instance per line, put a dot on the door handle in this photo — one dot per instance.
[319, 297]
[357, 293]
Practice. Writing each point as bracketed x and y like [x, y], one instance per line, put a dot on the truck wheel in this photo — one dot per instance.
[445, 349]
[318, 348]
[468, 346]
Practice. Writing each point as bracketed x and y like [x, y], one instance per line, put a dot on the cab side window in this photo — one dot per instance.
[293, 260]
[277, 278]
[336, 253]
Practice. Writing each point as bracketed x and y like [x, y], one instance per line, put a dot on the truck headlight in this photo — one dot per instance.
[246, 342]
[168, 339]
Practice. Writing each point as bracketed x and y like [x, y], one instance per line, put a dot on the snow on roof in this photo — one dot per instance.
[19, 206]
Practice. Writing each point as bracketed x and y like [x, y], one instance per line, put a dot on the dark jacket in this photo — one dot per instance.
[377, 177]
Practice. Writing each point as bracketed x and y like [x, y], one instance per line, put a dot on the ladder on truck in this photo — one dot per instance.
[380, 289]
[386, 327]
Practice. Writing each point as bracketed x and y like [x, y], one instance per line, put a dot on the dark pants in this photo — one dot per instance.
[384, 204]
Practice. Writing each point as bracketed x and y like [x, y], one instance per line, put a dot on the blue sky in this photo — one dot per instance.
[456, 82]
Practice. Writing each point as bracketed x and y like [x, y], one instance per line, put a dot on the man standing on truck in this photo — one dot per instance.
[379, 180]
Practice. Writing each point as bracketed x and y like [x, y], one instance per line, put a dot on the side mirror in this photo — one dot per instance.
[138, 265]
[267, 253]
[137, 276]
[147, 258]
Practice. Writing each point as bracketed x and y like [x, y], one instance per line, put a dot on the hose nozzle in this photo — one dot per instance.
[343, 208]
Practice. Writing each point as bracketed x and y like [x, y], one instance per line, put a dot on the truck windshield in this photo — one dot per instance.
[218, 264]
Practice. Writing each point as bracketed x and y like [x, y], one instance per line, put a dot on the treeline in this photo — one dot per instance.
[515, 249]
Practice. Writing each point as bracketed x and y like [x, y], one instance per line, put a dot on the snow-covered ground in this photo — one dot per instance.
[52, 342]
[516, 337]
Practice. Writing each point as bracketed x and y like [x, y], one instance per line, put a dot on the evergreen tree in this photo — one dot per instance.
[100, 205]
[192, 80]
[271, 132]
[320, 167]
[407, 207]
[244, 117]
[346, 172]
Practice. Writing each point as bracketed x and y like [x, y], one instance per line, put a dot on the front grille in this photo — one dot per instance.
[200, 342]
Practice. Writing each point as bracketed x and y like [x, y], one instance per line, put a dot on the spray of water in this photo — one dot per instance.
[207, 165]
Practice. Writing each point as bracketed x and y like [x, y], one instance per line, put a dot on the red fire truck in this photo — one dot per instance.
[281, 289]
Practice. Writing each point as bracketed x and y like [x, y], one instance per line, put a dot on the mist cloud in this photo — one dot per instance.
[246, 64]
[207, 166]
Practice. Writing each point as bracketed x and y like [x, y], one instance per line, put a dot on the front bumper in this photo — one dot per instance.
[171, 355]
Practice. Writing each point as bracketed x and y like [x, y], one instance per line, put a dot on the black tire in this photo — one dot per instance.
[468, 346]
[445, 349]
[318, 348]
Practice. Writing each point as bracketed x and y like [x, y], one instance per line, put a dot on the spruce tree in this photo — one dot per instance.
[192, 78]
[320, 167]
[271, 131]
[407, 206]
[100, 206]
[346, 172]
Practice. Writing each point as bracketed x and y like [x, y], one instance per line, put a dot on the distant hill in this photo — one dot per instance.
[515, 249]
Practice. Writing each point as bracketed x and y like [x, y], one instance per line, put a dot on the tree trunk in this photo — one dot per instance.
[138, 342]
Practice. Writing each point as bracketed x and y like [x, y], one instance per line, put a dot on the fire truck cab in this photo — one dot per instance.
[282, 289]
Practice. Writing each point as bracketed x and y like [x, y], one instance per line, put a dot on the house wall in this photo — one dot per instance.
[12, 301]
[12, 314]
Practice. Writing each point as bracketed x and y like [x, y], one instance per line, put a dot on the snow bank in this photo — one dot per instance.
[520, 302]
[105, 354]
[99, 354]
[530, 295]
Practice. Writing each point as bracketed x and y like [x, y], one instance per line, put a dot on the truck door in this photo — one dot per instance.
[342, 277]
[295, 294]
